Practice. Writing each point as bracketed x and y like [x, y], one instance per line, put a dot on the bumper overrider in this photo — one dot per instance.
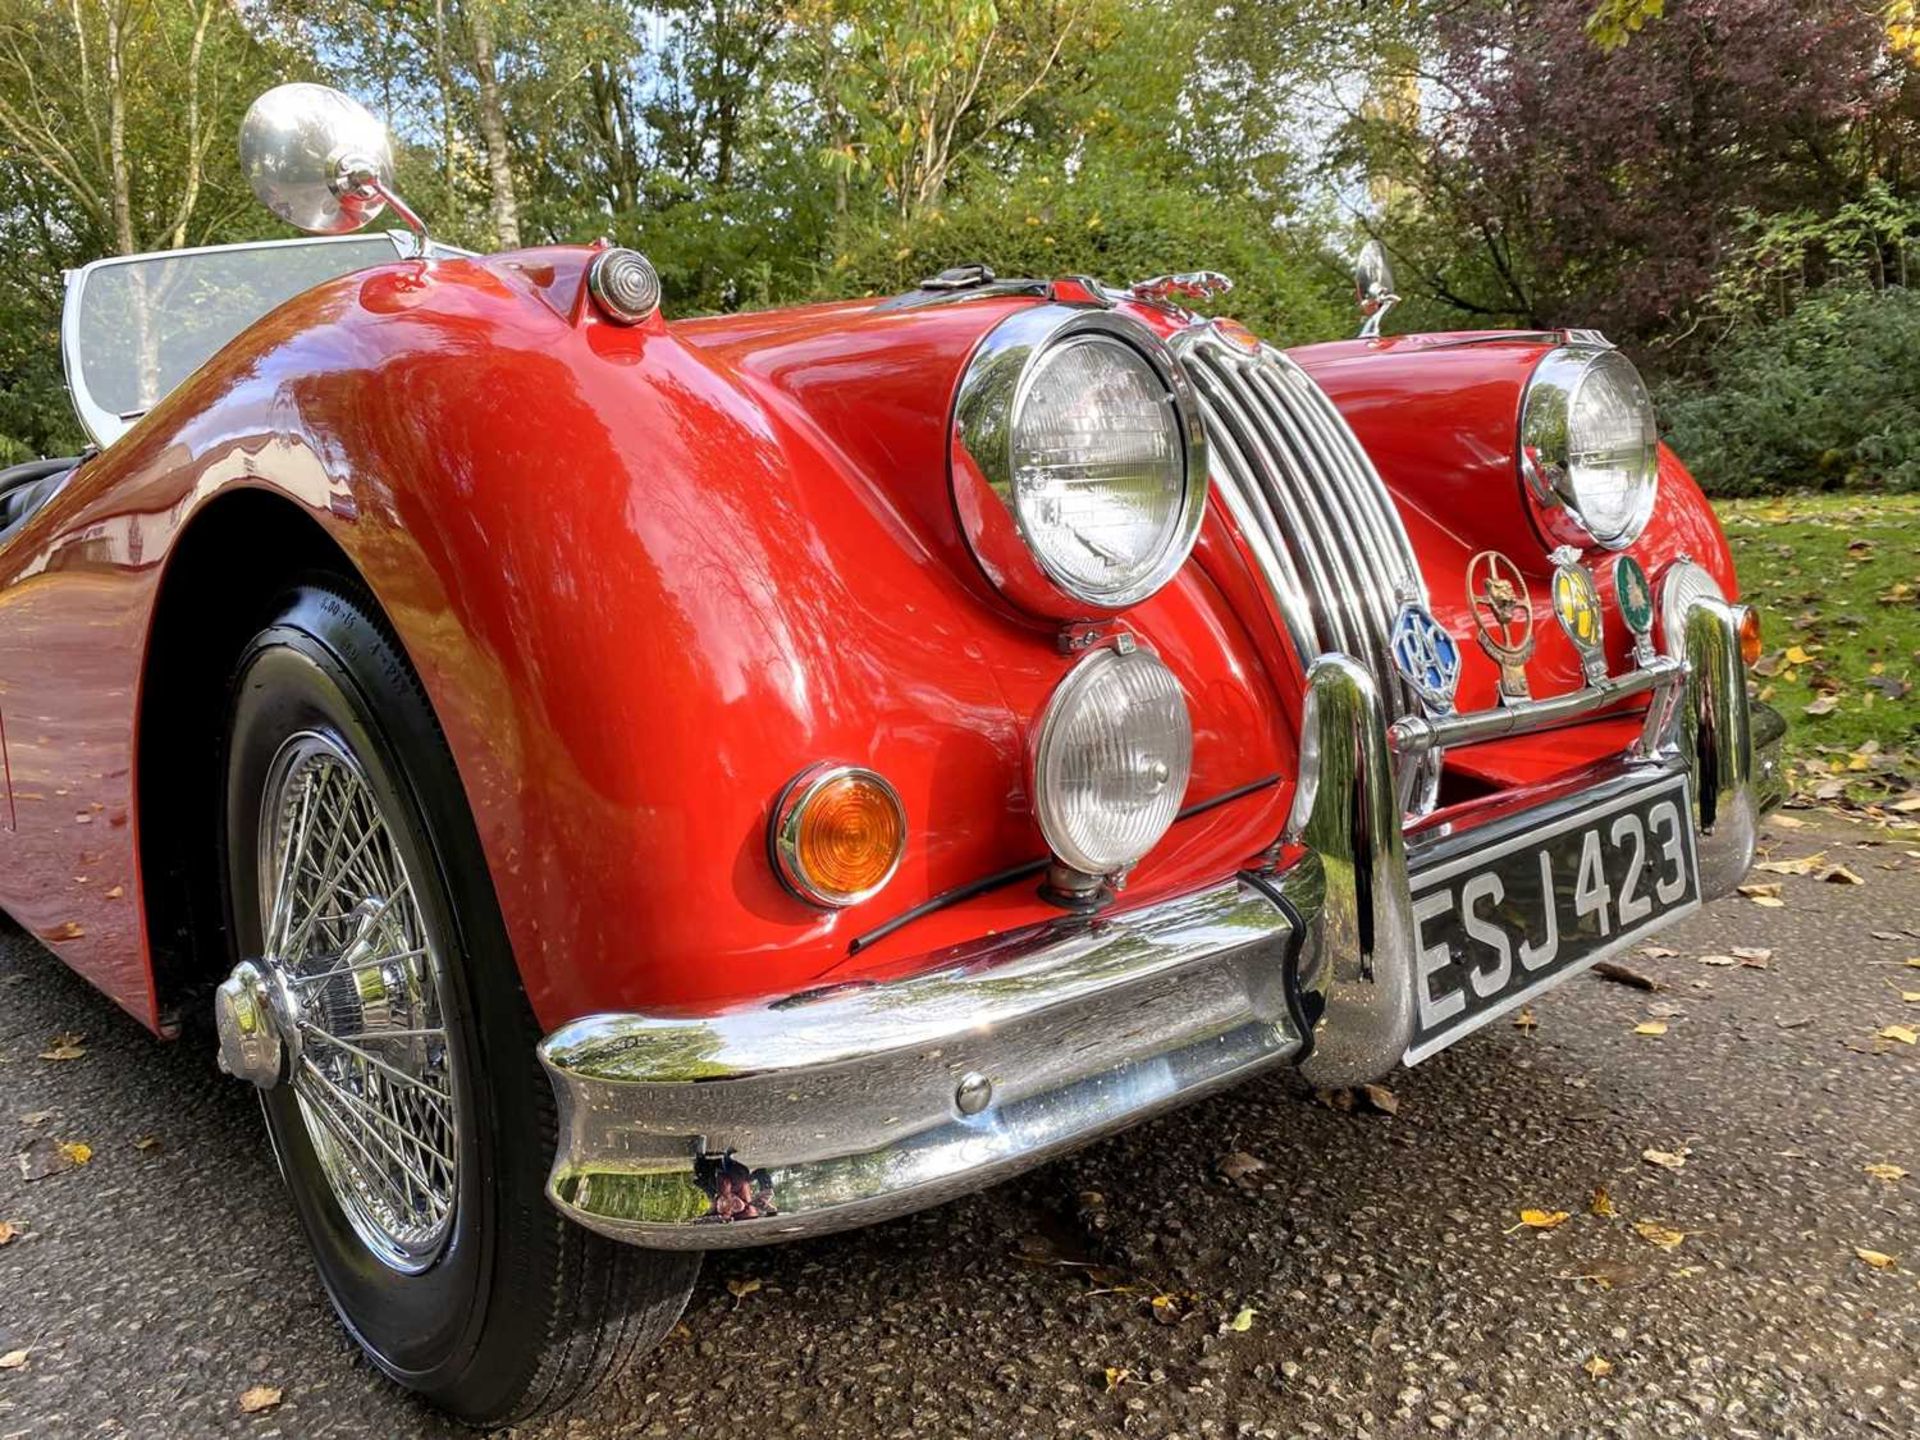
[845, 1106]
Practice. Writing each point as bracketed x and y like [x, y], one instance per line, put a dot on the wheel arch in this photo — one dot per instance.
[233, 559]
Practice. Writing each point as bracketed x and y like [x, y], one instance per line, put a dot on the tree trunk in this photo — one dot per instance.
[122, 182]
[493, 130]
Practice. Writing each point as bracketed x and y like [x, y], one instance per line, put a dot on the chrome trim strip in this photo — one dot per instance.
[855, 1104]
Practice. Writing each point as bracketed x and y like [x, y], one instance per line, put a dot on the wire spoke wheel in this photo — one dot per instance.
[359, 981]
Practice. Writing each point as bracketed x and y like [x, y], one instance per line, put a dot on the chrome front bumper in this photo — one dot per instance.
[841, 1107]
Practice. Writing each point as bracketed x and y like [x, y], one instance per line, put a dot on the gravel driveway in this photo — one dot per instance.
[1262, 1264]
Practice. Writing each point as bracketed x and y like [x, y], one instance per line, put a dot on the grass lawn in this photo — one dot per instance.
[1837, 582]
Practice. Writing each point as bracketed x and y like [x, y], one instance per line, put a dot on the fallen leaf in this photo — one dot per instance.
[1524, 1020]
[1601, 1204]
[1719, 960]
[1242, 1320]
[1540, 1220]
[40, 1117]
[116, 892]
[1117, 1375]
[1905, 1034]
[13, 1359]
[1787, 822]
[64, 1047]
[1239, 1168]
[147, 1142]
[1667, 1159]
[1821, 705]
[1621, 975]
[43, 1156]
[1892, 1174]
[1381, 1099]
[1878, 1259]
[1654, 1233]
[10, 1231]
[1753, 957]
[1651, 1027]
[740, 1289]
[78, 1151]
[1658, 952]
[1767, 893]
[1805, 865]
[256, 1399]
[1798, 656]
[1170, 1309]
[1598, 1368]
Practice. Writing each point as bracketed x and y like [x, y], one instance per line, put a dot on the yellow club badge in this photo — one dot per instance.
[1576, 604]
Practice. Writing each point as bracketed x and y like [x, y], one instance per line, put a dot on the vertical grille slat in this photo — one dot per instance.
[1333, 548]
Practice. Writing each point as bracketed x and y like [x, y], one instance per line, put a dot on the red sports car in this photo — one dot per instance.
[634, 788]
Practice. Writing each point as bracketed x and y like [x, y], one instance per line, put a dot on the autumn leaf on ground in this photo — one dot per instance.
[147, 1142]
[1805, 865]
[258, 1398]
[1905, 1034]
[1598, 1368]
[1170, 1309]
[1754, 957]
[1651, 1027]
[1601, 1204]
[1878, 1259]
[1892, 1174]
[43, 1156]
[1841, 875]
[740, 1289]
[1242, 1320]
[1381, 1099]
[1239, 1168]
[1721, 961]
[10, 1230]
[1658, 952]
[1624, 975]
[64, 1047]
[1117, 1375]
[1821, 705]
[13, 1359]
[1654, 1233]
[1767, 894]
[1667, 1159]
[1524, 1020]
[1539, 1220]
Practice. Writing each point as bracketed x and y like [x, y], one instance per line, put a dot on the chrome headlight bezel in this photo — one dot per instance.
[1548, 475]
[982, 447]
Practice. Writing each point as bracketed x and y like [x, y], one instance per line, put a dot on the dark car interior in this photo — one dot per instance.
[25, 488]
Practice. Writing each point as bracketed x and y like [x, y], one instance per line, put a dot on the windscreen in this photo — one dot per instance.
[148, 323]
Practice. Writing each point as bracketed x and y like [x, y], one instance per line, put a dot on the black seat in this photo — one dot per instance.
[25, 488]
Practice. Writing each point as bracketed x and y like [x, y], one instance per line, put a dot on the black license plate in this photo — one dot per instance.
[1496, 925]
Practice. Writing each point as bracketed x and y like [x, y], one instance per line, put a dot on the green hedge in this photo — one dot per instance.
[1826, 399]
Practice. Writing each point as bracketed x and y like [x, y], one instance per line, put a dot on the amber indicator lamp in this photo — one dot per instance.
[838, 834]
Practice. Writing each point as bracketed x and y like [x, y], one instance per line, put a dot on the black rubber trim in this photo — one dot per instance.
[949, 898]
[1305, 1006]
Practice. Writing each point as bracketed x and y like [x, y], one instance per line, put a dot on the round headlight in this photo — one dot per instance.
[1588, 447]
[1079, 461]
[1111, 760]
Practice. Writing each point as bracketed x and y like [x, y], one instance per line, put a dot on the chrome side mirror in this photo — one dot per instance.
[1373, 287]
[320, 161]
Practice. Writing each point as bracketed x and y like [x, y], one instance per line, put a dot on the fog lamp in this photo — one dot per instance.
[838, 834]
[1111, 758]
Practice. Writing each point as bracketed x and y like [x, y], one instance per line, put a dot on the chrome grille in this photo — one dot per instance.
[1310, 504]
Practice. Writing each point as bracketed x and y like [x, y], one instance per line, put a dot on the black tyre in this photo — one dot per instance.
[414, 1127]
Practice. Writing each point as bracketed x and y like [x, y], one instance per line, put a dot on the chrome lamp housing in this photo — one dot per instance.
[1079, 461]
[1589, 450]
